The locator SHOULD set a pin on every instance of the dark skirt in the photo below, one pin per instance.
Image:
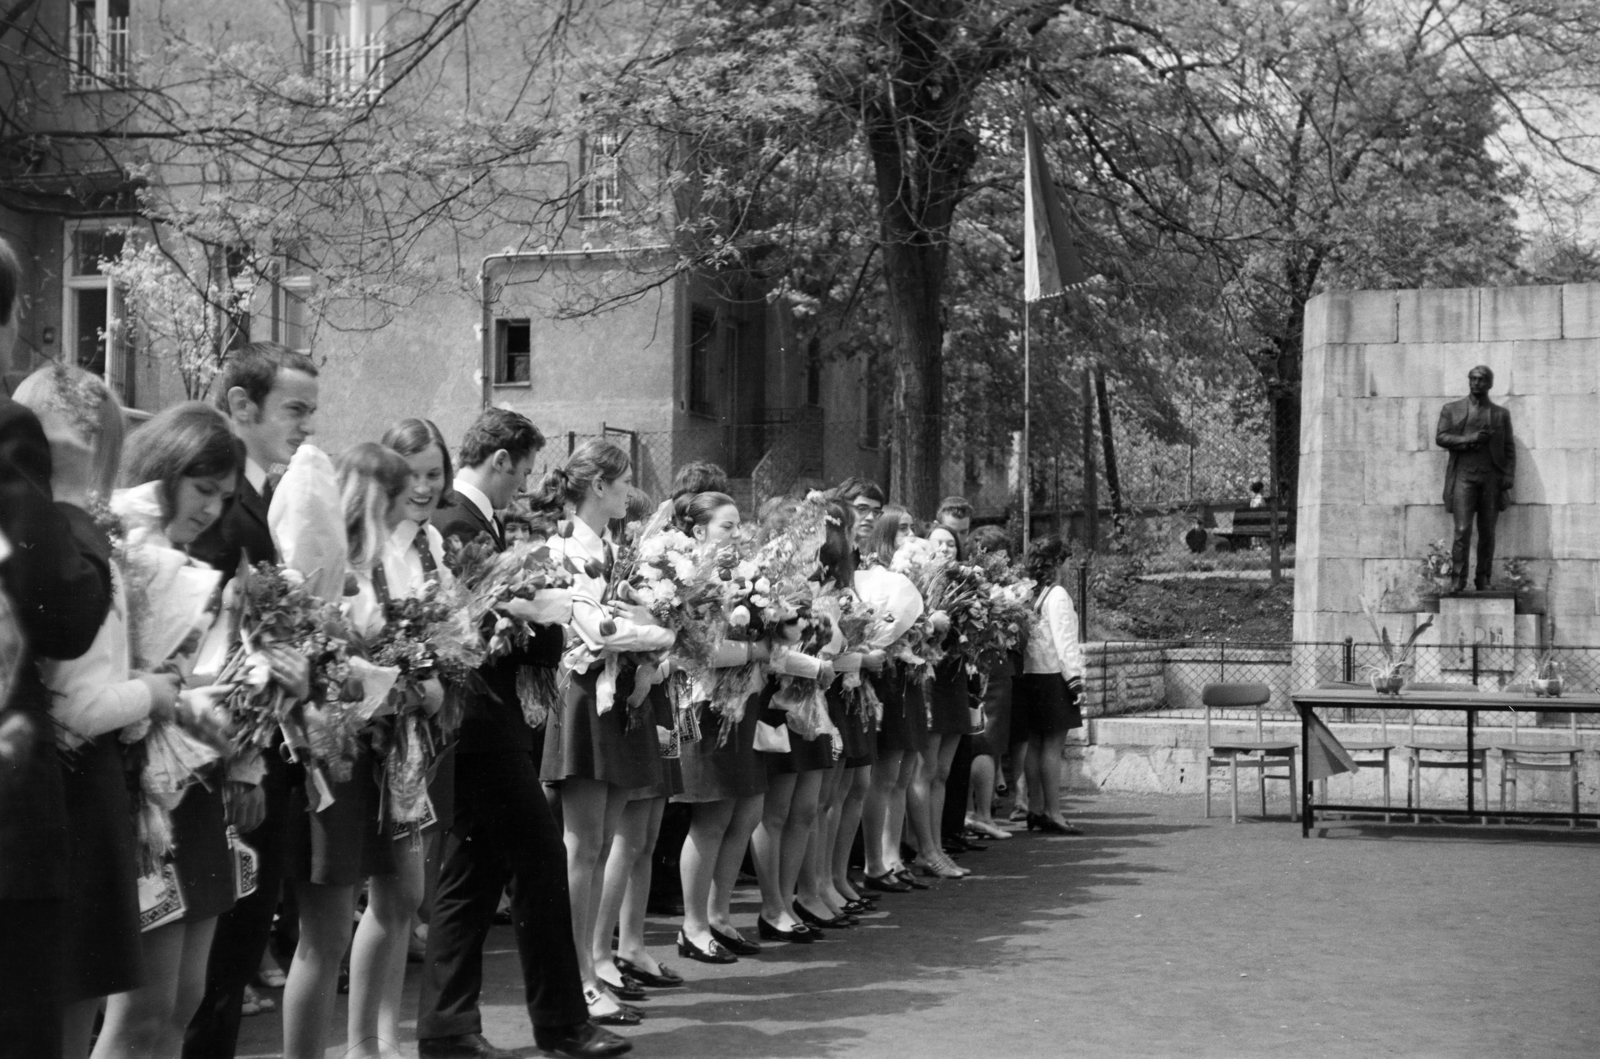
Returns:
(949, 702)
(860, 741)
(902, 727)
(100, 942)
(716, 769)
(1042, 705)
(995, 739)
(582, 743)
(345, 843)
(805, 755)
(201, 855)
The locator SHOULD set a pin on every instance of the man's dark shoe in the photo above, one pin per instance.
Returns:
(582, 1041)
(461, 1046)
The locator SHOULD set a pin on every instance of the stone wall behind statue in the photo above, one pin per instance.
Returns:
(1378, 367)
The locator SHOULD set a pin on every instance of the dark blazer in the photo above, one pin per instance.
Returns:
(242, 530)
(1452, 435)
(59, 581)
(494, 722)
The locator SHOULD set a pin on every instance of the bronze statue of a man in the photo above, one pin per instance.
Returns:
(1482, 470)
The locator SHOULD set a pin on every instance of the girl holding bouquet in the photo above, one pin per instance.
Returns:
(411, 560)
(724, 779)
(794, 778)
(598, 747)
(182, 465)
(900, 732)
(987, 747)
(332, 849)
(93, 698)
(949, 718)
(1045, 698)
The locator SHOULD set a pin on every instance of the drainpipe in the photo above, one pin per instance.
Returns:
(486, 323)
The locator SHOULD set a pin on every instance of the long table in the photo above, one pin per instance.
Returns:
(1468, 702)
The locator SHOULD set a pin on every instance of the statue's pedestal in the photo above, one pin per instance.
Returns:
(1487, 620)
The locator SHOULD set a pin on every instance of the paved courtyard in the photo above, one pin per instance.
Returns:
(1163, 934)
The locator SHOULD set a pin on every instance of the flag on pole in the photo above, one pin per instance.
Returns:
(1051, 264)
(1325, 755)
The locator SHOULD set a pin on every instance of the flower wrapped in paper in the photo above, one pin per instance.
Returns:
(491, 580)
(307, 523)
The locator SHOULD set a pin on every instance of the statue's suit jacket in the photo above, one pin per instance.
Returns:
(1453, 435)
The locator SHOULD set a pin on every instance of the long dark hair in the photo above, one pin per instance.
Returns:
(838, 552)
(881, 542)
(1046, 556)
(961, 549)
(411, 436)
(188, 440)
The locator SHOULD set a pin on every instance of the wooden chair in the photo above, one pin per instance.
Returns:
(1517, 756)
(1383, 748)
(1416, 749)
(1260, 754)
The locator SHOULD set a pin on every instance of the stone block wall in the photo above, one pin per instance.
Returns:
(1378, 367)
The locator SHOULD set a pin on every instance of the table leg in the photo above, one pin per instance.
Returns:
(1305, 771)
(1471, 717)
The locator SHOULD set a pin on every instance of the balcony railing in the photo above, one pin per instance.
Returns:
(351, 68)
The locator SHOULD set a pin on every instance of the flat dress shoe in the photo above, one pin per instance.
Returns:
(584, 1040)
(461, 1046)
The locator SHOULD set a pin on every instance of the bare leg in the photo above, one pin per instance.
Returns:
(816, 877)
(746, 816)
(853, 792)
(378, 954)
(798, 834)
(587, 821)
(924, 833)
(697, 866)
(636, 901)
(1049, 769)
(980, 814)
(310, 995)
(942, 753)
(770, 849)
(875, 815)
(1024, 760)
(148, 1022)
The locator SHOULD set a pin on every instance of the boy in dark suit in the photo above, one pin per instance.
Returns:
(56, 572)
(269, 394)
(503, 827)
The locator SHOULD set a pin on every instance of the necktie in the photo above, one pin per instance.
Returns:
(499, 531)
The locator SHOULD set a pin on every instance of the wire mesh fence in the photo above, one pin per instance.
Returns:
(1166, 678)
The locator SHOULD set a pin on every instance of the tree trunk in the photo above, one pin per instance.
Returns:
(916, 434)
(1108, 446)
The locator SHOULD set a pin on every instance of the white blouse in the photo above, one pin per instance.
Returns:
(894, 597)
(1053, 637)
(404, 572)
(95, 693)
(581, 547)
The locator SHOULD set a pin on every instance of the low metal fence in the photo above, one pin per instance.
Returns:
(1166, 678)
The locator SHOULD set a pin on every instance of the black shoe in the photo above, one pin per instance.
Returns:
(811, 919)
(1050, 826)
(769, 932)
(628, 989)
(712, 953)
(857, 908)
(583, 1041)
(665, 980)
(463, 1046)
(736, 944)
(905, 876)
(887, 883)
(623, 1016)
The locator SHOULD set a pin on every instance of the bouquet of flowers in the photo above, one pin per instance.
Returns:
(278, 611)
(1010, 609)
(921, 648)
(962, 591)
(858, 624)
(430, 637)
(742, 595)
(801, 689)
(490, 579)
(681, 584)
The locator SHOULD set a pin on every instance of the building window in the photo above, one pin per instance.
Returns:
(600, 163)
(702, 345)
(347, 40)
(292, 320)
(94, 335)
(99, 36)
(871, 409)
(513, 352)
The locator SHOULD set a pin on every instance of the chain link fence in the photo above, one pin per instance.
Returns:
(1166, 678)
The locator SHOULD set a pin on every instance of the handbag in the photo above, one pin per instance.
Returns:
(160, 898)
(245, 865)
(772, 738)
